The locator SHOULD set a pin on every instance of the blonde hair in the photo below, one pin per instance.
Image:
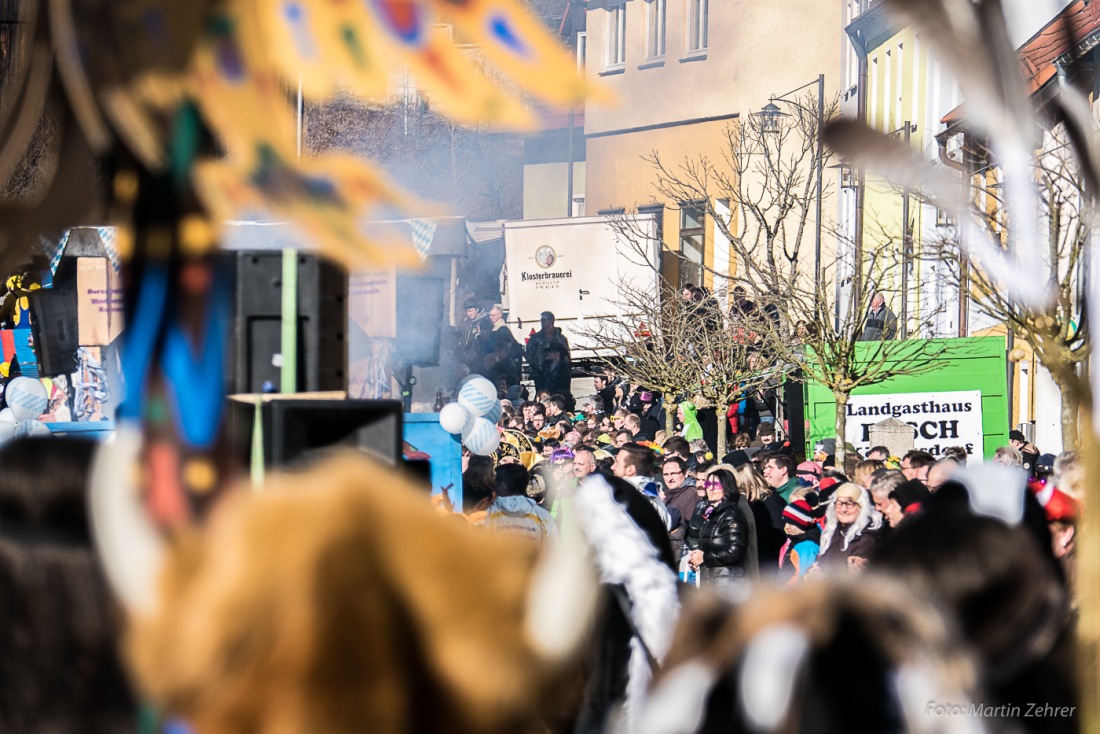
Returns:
(866, 468)
(751, 484)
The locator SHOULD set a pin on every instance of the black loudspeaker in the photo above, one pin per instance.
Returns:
(322, 323)
(795, 407)
(294, 429)
(54, 322)
(419, 320)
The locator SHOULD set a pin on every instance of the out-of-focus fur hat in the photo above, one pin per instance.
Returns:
(339, 601)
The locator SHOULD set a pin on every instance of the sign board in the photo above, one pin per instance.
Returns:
(938, 419)
(971, 364)
(99, 302)
(372, 302)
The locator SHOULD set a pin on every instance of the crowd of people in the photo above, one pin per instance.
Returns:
(756, 518)
(756, 512)
(763, 517)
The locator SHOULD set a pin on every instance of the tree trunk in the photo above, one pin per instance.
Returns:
(1069, 386)
(723, 427)
(1070, 414)
(670, 419)
(841, 424)
(1088, 574)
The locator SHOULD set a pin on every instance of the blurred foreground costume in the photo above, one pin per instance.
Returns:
(59, 665)
(168, 119)
(307, 609)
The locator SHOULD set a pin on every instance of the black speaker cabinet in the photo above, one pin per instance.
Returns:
(54, 323)
(322, 323)
(294, 429)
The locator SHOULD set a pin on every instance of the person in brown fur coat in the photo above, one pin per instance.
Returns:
(338, 601)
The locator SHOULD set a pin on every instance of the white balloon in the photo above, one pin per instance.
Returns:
(454, 418)
(483, 438)
(493, 414)
(31, 428)
(479, 396)
(7, 430)
(27, 398)
(6, 416)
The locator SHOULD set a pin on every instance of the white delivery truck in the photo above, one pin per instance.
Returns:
(577, 268)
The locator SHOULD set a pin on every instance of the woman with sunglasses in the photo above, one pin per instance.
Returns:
(726, 551)
(852, 527)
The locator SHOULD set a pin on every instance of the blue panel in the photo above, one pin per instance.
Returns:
(423, 433)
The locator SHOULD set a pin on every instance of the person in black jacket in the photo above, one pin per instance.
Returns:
(723, 552)
(767, 511)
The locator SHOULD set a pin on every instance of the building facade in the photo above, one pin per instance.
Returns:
(683, 73)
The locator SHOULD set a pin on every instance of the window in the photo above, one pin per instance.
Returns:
(692, 242)
(887, 95)
(582, 51)
(655, 29)
(697, 25)
(616, 35)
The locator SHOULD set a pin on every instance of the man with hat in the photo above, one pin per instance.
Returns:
(652, 415)
(765, 436)
(1018, 441)
(470, 331)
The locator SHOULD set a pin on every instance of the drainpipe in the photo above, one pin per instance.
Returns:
(964, 265)
(860, 48)
(861, 185)
(569, 170)
(906, 246)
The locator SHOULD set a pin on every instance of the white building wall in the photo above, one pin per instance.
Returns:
(1048, 412)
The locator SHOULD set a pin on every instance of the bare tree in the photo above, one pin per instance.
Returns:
(856, 350)
(677, 347)
(767, 174)
(1057, 331)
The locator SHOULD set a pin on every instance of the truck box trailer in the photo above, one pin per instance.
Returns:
(578, 269)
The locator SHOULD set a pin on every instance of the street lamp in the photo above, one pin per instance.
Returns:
(770, 118)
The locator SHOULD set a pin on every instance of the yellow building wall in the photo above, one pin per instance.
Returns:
(545, 189)
(898, 93)
(618, 176)
(675, 99)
